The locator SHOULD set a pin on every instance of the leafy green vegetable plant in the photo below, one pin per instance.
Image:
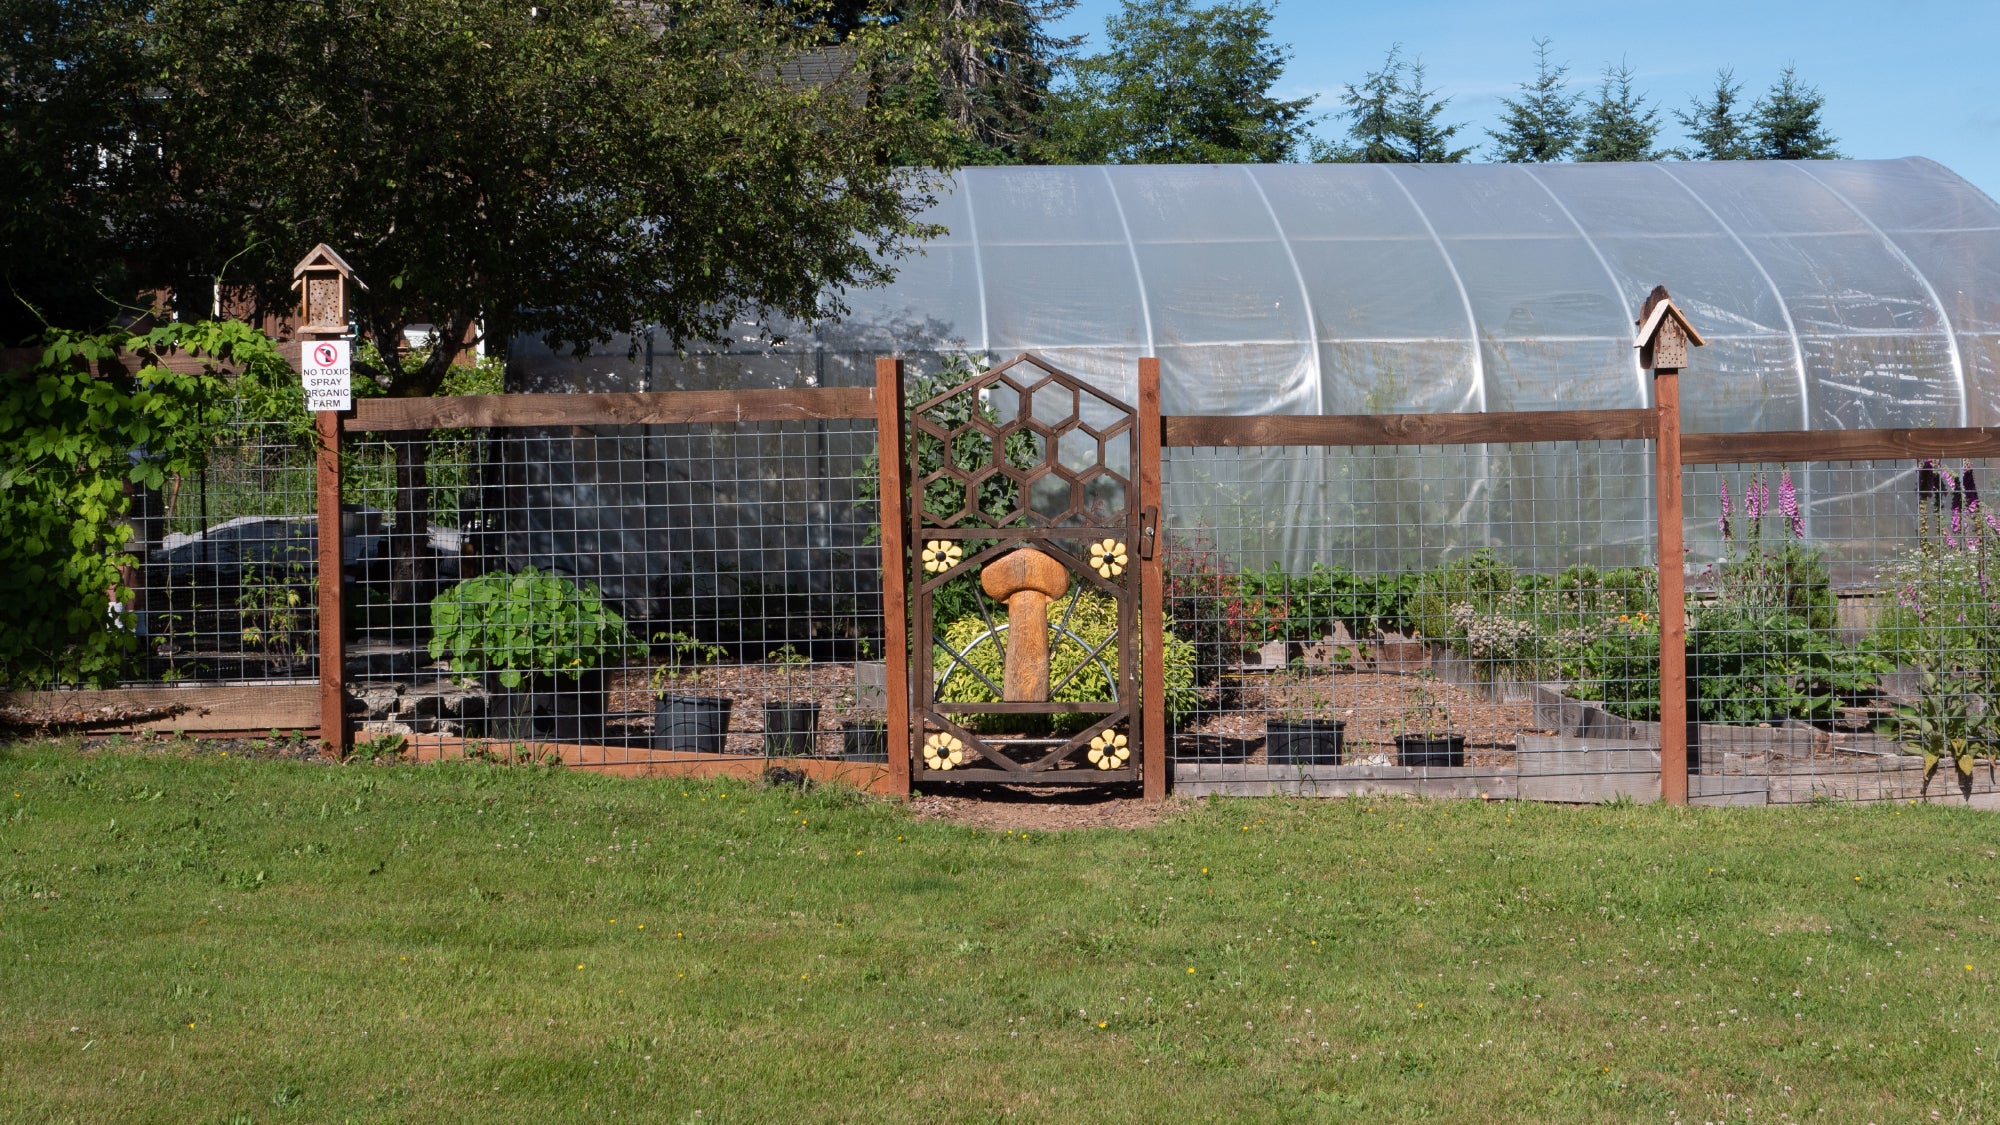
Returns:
(686, 656)
(1424, 713)
(525, 624)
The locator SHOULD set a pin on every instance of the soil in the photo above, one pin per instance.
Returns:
(1231, 717)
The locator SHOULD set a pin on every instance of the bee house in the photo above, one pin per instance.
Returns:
(1664, 333)
(322, 278)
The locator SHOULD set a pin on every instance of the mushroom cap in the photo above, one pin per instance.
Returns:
(1025, 569)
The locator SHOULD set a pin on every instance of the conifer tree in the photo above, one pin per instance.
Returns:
(1617, 123)
(1372, 133)
(1392, 118)
(1179, 84)
(1785, 123)
(1714, 123)
(1420, 122)
(1541, 124)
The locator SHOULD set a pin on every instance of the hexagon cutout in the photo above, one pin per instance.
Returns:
(1054, 404)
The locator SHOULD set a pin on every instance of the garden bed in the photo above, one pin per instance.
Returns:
(1231, 721)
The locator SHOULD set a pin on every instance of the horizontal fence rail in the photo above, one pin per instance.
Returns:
(389, 415)
(1226, 431)
(1837, 445)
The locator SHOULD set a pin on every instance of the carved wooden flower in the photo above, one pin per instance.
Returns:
(1108, 558)
(1109, 750)
(943, 751)
(941, 555)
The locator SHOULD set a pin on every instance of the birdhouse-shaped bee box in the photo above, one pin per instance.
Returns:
(1664, 333)
(322, 279)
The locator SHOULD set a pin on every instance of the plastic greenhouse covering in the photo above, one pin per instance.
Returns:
(1832, 294)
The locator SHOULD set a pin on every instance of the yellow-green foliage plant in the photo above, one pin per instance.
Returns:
(1078, 624)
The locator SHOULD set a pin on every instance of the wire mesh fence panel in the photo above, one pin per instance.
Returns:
(1843, 630)
(618, 593)
(1435, 620)
(226, 586)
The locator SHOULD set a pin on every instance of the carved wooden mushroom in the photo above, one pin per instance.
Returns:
(1027, 580)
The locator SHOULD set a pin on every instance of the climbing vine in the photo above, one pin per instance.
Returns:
(77, 436)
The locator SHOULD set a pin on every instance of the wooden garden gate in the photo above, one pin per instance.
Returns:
(1029, 527)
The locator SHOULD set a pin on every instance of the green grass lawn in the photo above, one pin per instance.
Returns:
(189, 937)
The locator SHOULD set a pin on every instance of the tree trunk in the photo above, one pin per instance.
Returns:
(412, 570)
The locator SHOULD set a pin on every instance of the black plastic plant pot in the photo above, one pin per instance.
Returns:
(864, 742)
(788, 729)
(696, 724)
(1304, 742)
(1430, 749)
(546, 707)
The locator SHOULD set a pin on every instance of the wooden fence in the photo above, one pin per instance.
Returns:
(238, 709)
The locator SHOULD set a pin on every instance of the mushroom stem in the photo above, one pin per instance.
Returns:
(1027, 581)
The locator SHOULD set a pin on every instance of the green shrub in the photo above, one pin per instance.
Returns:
(1307, 605)
(1793, 580)
(518, 625)
(1093, 620)
(1616, 662)
(1745, 667)
(1477, 580)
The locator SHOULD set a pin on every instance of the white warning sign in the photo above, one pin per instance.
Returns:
(327, 369)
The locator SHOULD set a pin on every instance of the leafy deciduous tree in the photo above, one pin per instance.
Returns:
(565, 169)
(997, 60)
(69, 88)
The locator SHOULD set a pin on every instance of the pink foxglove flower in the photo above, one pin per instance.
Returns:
(1788, 504)
(1722, 521)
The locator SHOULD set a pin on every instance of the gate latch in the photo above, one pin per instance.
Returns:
(1149, 529)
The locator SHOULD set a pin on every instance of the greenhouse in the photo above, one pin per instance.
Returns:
(1833, 294)
(1840, 295)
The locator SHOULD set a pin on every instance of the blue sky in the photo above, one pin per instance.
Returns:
(1901, 77)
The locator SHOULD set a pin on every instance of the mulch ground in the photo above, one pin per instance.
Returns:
(1019, 809)
(1372, 704)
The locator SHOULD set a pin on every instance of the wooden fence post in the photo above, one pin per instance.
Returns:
(1664, 337)
(893, 512)
(1152, 591)
(332, 618)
